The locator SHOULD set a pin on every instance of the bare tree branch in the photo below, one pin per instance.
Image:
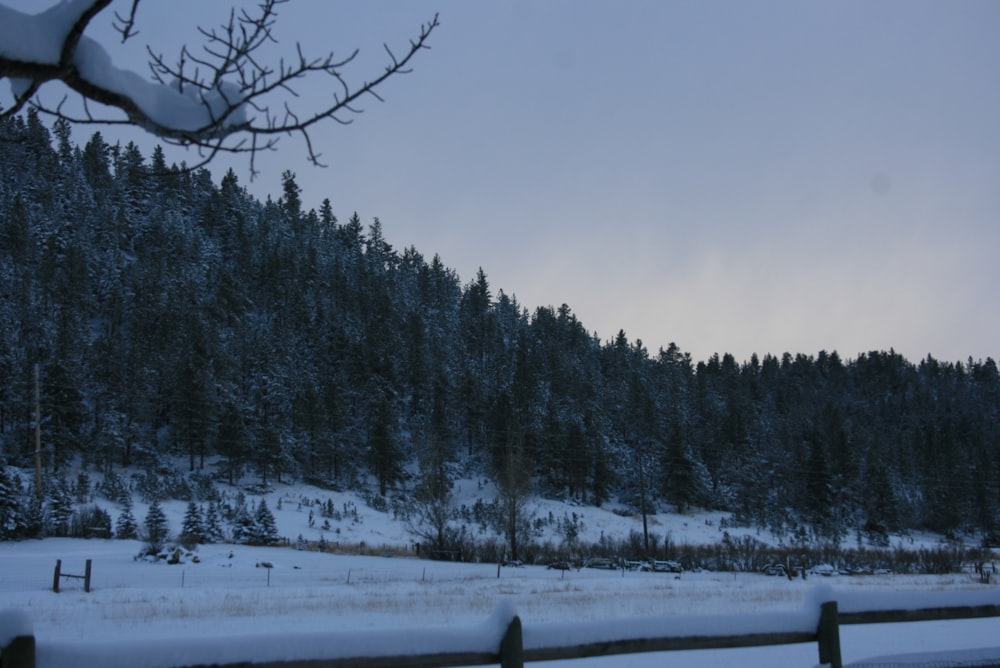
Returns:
(222, 99)
(126, 26)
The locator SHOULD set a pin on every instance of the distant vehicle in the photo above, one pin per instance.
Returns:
(602, 563)
(560, 566)
(665, 566)
(655, 566)
(774, 569)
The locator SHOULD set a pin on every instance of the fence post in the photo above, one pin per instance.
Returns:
(55, 578)
(512, 647)
(828, 636)
(19, 653)
(86, 578)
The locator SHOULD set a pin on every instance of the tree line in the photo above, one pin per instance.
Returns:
(171, 316)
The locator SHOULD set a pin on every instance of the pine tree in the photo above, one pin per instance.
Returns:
(293, 195)
(11, 517)
(685, 480)
(265, 526)
(81, 491)
(125, 526)
(213, 525)
(244, 527)
(192, 528)
(385, 452)
(34, 515)
(231, 441)
(60, 509)
(157, 529)
(818, 501)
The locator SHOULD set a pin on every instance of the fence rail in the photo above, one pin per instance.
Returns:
(504, 642)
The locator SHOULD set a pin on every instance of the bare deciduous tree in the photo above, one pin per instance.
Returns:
(221, 98)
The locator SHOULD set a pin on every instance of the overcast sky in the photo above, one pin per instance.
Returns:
(731, 176)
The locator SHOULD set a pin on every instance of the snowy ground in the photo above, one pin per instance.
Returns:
(227, 594)
(140, 612)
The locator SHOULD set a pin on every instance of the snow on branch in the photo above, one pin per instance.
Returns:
(221, 98)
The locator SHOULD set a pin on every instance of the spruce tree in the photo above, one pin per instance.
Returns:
(213, 526)
(385, 455)
(125, 526)
(11, 517)
(266, 528)
(34, 515)
(60, 509)
(244, 527)
(157, 529)
(192, 528)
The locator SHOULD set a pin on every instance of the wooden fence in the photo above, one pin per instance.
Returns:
(58, 574)
(818, 622)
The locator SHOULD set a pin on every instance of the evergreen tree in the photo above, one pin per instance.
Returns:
(15, 230)
(432, 497)
(244, 525)
(81, 491)
(125, 526)
(232, 442)
(881, 514)
(292, 195)
(62, 405)
(12, 521)
(213, 525)
(685, 478)
(818, 501)
(34, 515)
(157, 528)
(265, 526)
(192, 527)
(60, 508)
(385, 453)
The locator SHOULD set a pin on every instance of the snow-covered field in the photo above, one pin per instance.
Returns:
(229, 594)
(140, 613)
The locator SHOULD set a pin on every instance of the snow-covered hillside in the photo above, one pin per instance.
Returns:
(298, 510)
(367, 523)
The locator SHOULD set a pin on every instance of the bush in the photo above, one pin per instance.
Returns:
(90, 522)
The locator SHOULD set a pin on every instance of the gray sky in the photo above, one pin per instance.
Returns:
(741, 177)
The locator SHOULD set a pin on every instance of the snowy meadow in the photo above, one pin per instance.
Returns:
(234, 595)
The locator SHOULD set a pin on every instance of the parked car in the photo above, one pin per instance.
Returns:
(775, 569)
(660, 566)
(666, 566)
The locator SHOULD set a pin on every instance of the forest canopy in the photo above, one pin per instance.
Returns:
(173, 316)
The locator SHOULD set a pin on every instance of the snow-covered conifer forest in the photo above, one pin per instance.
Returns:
(186, 334)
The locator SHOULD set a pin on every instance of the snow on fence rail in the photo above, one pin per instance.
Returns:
(502, 640)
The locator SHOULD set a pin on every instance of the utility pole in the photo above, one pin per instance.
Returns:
(642, 500)
(38, 436)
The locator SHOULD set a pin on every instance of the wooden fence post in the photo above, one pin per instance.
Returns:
(512, 646)
(55, 578)
(828, 635)
(20, 653)
(86, 578)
